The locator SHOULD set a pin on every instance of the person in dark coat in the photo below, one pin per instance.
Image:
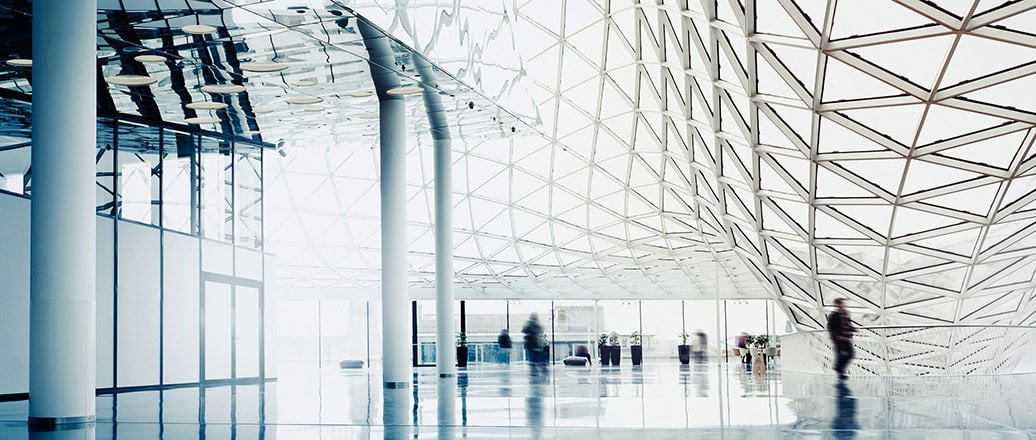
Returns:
(504, 344)
(533, 337)
(840, 328)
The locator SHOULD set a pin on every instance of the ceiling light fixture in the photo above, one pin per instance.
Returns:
(131, 80)
(361, 94)
(201, 120)
(207, 105)
(405, 90)
(261, 110)
(263, 67)
(20, 62)
(303, 83)
(370, 116)
(149, 58)
(253, 132)
(309, 124)
(314, 109)
(223, 89)
(304, 100)
(198, 29)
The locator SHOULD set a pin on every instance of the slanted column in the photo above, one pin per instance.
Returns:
(394, 308)
(62, 327)
(445, 354)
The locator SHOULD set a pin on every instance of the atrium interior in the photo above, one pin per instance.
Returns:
(262, 219)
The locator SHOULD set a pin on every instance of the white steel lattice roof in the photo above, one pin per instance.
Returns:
(878, 150)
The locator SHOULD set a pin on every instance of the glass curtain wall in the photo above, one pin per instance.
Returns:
(568, 324)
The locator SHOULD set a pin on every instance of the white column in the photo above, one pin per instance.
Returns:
(62, 324)
(445, 353)
(395, 309)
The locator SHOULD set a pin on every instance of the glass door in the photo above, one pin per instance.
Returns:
(232, 331)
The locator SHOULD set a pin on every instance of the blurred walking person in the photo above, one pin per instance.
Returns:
(840, 328)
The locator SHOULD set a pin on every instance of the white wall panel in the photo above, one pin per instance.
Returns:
(105, 303)
(181, 320)
(14, 294)
(249, 264)
(138, 300)
(218, 257)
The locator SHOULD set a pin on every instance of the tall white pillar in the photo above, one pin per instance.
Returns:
(394, 308)
(62, 313)
(445, 354)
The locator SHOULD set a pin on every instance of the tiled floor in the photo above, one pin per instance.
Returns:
(658, 401)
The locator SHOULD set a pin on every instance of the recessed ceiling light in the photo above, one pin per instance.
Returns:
(370, 116)
(263, 67)
(261, 111)
(149, 58)
(303, 83)
(131, 80)
(207, 105)
(405, 90)
(309, 124)
(20, 62)
(304, 100)
(223, 88)
(198, 29)
(201, 120)
(314, 109)
(370, 134)
(361, 94)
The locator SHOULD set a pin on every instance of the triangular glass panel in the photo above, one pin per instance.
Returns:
(874, 217)
(961, 242)
(918, 60)
(924, 175)
(997, 152)
(801, 62)
(855, 18)
(771, 18)
(943, 123)
(826, 226)
(1006, 94)
(898, 123)
(911, 221)
(977, 201)
(844, 82)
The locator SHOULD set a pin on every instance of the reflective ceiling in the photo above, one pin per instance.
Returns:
(270, 71)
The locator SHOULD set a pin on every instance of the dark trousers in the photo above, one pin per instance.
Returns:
(844, 354)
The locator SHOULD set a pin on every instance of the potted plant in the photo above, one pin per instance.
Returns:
(636, 349)
(462, 349)
(615, 351)
(602, 348)
(684, 349)
(762, 341)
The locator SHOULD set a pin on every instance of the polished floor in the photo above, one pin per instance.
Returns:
(657, 401)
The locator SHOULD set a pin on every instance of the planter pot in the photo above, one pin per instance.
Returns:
(603, 351)
(685, 353)
(615, 354)
(637, 353)
(462, 356)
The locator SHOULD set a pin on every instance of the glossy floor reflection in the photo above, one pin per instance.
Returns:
(658, 401)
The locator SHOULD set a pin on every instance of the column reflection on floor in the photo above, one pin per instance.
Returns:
(75, 431)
